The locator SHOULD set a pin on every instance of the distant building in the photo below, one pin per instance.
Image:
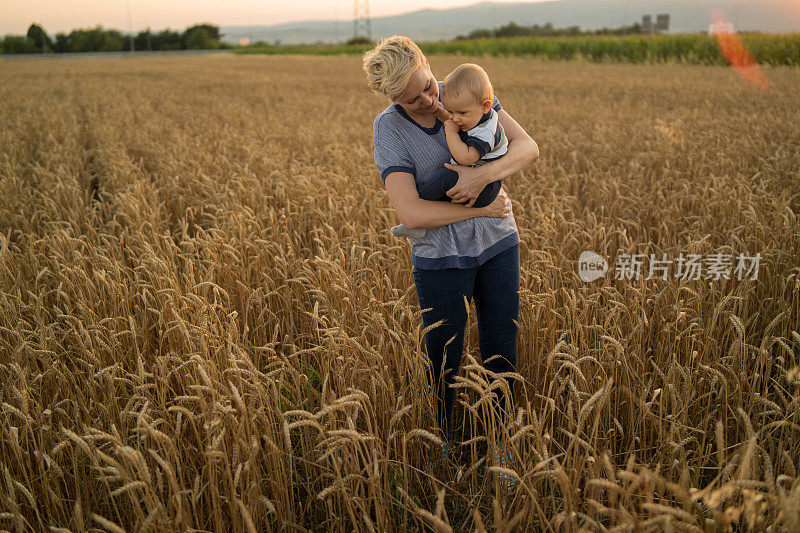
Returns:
(660, 25)
(647, 24)
(662, 22)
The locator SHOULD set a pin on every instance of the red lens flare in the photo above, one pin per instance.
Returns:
(735, 52)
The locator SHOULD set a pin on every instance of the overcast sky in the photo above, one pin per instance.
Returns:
(64, 15)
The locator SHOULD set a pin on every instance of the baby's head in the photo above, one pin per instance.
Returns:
(467, 93)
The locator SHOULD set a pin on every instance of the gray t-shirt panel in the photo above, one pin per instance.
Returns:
(402, 145)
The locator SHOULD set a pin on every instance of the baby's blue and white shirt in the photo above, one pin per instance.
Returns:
(487, 137)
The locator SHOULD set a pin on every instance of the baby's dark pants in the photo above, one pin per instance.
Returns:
(446, 179)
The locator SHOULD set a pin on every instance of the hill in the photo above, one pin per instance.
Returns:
(440, 24)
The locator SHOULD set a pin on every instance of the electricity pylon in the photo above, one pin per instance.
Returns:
(361, 19)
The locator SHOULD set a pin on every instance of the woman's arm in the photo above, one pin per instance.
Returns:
(415, 212)
(522, 150)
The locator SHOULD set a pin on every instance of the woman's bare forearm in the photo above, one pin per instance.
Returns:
(519, 155)
(431, 214)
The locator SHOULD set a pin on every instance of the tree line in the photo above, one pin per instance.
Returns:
(546, 30)
(99, 39)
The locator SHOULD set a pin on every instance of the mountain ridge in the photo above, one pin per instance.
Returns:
(431, 24)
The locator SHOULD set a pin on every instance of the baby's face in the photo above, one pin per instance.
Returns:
(465, 111)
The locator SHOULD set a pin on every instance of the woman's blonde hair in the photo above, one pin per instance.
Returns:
(391, 64)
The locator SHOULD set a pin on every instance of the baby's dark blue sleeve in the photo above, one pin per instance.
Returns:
(480, 145)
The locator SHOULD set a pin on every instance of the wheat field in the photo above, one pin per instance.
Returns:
(206, 325)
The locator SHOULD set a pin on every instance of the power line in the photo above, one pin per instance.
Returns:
(336, 17)
(130, 26)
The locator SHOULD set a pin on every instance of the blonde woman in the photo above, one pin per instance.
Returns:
(465, 251)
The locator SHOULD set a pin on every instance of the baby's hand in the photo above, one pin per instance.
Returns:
(450, 126)
(441, 113)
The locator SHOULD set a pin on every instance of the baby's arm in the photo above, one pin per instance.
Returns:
(463, 154)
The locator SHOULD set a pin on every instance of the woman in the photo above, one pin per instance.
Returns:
(465, 251)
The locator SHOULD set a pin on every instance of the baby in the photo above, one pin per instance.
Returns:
(474, 136)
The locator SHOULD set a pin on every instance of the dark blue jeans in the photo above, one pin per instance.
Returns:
(446, 179)
(495, 286)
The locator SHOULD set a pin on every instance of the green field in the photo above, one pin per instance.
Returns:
(697, 49)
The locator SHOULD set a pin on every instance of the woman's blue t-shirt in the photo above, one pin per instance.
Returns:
(402, 145)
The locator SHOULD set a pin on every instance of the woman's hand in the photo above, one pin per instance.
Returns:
(500, 207)
(471, 182)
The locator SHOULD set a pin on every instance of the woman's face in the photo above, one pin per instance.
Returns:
(422, 93)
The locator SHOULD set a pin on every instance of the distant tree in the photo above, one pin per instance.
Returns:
(512, 30)
(167, 40)
(200, 36)
(113, 41)
(18, 44)
(62, 43)
(633, 28)
(143, 40)
(96, 40)
(622, 30)
(479, 34)
(125, 39)
(212, 30)
(360, 40)
(81, 41)
(39, 38)
(199, 39)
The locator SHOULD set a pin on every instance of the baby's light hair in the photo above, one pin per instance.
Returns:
(390, 65)
(468, 79)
